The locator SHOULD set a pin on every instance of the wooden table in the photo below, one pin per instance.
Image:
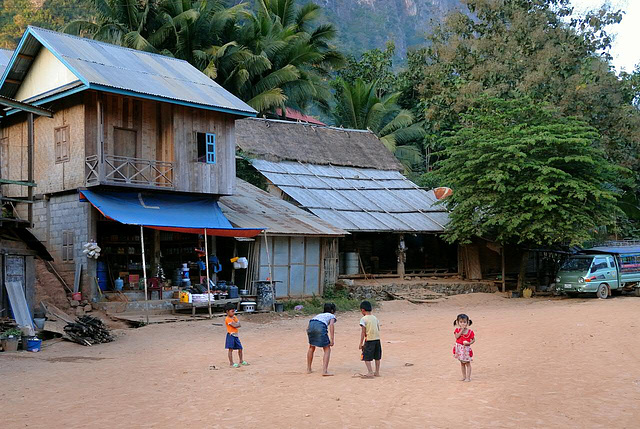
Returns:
(177, 305)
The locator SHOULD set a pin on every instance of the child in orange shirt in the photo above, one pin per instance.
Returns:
(232, 341)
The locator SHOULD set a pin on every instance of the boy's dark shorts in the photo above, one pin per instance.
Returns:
(232, 342)
(372, 350)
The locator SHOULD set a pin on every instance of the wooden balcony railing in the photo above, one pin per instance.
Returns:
(130, 171)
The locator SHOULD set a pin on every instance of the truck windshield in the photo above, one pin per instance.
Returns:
(576, 264)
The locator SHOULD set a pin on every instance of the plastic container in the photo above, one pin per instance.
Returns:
(185, 297)
(34, 344)
(279, 307)
(233, 291)
(76, 296)
(119, 283)
(39, 321)
(248, 306)
(10, 344)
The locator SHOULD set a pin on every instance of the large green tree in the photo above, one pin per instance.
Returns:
(537, 48)
(16, 15)
(522, 173)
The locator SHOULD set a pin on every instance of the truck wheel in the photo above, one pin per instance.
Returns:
(603, 291)
(636, 291)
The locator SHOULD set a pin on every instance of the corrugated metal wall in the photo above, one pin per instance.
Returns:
(296, 265)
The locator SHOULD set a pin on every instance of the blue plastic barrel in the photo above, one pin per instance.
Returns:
(34, 344)
(102, 275)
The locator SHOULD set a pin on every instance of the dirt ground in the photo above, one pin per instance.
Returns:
(539, 363)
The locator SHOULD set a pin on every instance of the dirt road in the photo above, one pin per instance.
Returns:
(538, 363)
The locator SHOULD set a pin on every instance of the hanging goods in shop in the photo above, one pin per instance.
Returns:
(215, 263)
(92, 250)
(240, 263)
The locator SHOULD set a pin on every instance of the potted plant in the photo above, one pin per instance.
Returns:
(10, 339)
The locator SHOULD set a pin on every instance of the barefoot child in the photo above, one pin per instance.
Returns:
(462, 349)
(370, 339)
(321, 334)
(233, 342)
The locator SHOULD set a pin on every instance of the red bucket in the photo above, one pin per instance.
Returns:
(76, 296)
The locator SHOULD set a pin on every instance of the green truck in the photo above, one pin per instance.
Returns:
(601, 270)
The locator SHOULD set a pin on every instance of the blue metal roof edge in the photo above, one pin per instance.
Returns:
(106, 88)
(31, 32)
(53, 97)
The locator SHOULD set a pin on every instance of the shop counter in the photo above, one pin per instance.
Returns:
(178, 305)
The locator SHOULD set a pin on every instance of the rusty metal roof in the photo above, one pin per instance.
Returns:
(358, 199)
(251, 206)
(110, 68)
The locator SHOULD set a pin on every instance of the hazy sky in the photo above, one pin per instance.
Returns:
(626, 44)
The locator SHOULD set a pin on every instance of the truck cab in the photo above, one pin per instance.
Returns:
(601, 270)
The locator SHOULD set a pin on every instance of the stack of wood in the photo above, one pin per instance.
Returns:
(88, 330)
(6, 324)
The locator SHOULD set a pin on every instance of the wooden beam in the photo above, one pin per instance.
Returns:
(15, 200)
(16, 182)
(25, 107)
(30, 147)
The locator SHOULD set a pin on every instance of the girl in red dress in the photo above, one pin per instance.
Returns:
(462, 349)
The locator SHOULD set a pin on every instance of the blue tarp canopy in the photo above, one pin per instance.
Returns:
(168, 212)
(616, 250)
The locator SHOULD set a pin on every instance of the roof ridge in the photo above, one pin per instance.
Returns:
(86, 39)
(309, 124)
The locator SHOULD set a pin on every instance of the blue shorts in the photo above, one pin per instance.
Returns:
(318, 334)
(232, 342)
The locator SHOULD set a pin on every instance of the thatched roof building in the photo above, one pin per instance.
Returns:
(347, 178)
(275, 140)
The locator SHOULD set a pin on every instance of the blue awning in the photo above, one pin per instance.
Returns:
(168, 212)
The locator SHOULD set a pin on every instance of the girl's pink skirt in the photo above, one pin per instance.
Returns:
(462, 353)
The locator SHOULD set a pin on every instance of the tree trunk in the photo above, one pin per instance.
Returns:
(523, 269)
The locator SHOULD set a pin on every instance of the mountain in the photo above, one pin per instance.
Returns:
(368, 24)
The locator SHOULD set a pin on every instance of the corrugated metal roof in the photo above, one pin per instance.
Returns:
(251, 206)
(5, 56)
(112, 68)
(358, 199)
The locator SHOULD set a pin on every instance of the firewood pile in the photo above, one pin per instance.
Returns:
(88, 330)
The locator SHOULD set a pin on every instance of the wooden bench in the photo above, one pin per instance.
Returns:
(177, 305)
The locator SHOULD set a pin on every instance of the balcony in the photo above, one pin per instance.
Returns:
(122, 170)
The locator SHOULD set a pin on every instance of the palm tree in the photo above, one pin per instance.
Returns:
(287, 61)
(120, 22)
(358, 106)
(272, 58)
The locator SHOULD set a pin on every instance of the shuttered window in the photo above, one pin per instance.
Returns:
(67, 246)
(206, 147)
(62, 144)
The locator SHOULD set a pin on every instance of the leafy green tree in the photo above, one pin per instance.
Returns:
(523, 174)
(16, 15)
(358, 106)
(374, 65)
(510, 48)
